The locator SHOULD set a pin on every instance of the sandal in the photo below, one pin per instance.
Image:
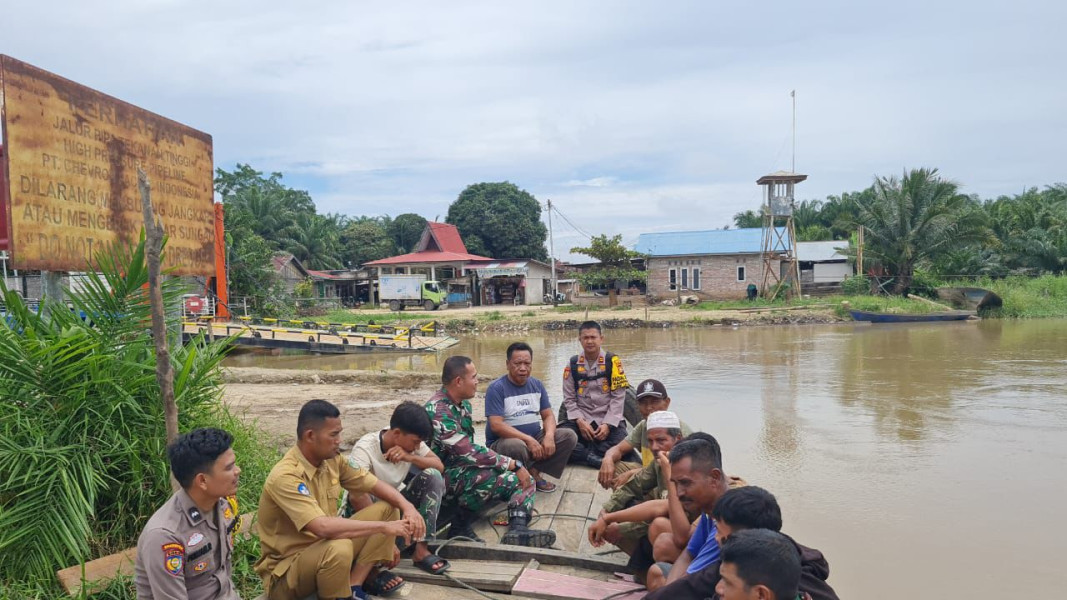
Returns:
(427, 563)
(380, 585)
(545, 486)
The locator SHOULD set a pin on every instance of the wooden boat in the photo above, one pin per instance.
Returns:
(879, 317)
(970, 298)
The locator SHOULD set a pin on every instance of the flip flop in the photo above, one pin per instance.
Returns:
(379, 586)
(427, 563)
(545, 486)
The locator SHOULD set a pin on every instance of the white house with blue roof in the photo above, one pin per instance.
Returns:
(716, 264)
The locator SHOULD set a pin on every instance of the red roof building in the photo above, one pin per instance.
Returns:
(440, 243)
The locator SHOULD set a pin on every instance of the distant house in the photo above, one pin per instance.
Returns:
(823, 263)
(289, 269)
(716, 264)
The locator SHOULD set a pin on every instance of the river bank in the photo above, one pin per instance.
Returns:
(271, 398)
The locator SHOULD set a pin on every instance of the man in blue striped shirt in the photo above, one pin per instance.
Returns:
(521, 423)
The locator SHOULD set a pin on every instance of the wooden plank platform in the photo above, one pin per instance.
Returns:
(493, 576)
(544, 556)
(534, 583)
(97, 572)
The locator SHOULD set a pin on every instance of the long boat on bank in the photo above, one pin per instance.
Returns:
(881, 317)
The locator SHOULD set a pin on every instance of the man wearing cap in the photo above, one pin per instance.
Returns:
(594, 395)
(626, 516)
(615, 471)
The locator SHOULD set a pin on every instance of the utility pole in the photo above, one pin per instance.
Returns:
(552, 251)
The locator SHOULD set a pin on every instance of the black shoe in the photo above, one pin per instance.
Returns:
(593, 460)
(462, 526)
(519, 534)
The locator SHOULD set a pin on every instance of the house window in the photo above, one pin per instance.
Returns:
(696, 278)
(685, 279)
(740, 273)
(672, 279)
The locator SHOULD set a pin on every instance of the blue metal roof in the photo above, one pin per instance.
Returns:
(713, 241)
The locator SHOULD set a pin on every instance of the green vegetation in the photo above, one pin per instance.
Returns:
(495, 315)
(615, 263)
(82, 435)
(922, 223)
(348, 316)
(529, 313)
(1027, 297)
(499, 220)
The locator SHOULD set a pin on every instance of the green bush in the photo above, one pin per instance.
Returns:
(82, 434)
(857, 285)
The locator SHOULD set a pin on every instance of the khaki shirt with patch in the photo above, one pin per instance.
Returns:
(294, 494)
(183, 554)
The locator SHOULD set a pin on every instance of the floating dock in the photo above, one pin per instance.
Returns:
(325, 338)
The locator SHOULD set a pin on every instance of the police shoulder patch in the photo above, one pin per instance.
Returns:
(303, 489)
(566, 373)
(173, 558)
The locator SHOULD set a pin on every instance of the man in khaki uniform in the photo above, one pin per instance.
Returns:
(304, 548)
(594, 396)
(184, 551)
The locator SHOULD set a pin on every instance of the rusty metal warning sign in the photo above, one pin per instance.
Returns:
(72, 155)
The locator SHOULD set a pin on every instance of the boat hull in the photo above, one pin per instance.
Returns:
(876, 317)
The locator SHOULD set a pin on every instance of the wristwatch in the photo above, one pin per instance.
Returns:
(518, 464)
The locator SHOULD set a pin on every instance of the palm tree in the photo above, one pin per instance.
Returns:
(315, 240)
(916, 219)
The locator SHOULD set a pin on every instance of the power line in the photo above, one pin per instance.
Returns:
(571, 223)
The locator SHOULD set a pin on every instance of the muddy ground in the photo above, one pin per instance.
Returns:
(271, 398)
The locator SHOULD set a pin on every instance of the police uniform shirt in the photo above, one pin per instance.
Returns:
(184, 554)
(294, 494)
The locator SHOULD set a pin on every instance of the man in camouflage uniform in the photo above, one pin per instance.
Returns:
(474, 474)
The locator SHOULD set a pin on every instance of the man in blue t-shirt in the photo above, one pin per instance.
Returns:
(696, 482)
(521, 423)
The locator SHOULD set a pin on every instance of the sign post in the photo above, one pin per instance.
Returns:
(71, 159)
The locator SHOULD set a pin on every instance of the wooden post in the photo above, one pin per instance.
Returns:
(153, 250)
(859, 251)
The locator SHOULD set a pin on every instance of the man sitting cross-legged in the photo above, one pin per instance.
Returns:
(742, 509)
(304, 547)
(399, 456)
(474, 474)
(626, 516)
(521, 423)
(616, 468)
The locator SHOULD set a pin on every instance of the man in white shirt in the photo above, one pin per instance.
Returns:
(398, 455)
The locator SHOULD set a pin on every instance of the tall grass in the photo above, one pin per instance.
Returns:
(1028, 297)
(82, 435)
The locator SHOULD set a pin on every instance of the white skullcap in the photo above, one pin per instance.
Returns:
(663, 419)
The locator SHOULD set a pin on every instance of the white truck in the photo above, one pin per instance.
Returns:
(400, 291)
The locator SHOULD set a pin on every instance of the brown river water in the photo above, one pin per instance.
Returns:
(925, 461)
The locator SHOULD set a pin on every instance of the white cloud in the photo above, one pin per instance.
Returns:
(630, 116)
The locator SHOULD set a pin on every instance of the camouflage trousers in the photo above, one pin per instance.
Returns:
(424, 490)
(475, 488)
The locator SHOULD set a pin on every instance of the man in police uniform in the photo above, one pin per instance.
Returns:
(184, 551)
(594, 395)
(304, 548)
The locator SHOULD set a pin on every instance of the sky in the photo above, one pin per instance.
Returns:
(630, 116)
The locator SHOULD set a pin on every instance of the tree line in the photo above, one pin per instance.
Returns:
(921, 222)
(263, 216)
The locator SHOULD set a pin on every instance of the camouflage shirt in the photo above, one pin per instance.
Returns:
(453, 430)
